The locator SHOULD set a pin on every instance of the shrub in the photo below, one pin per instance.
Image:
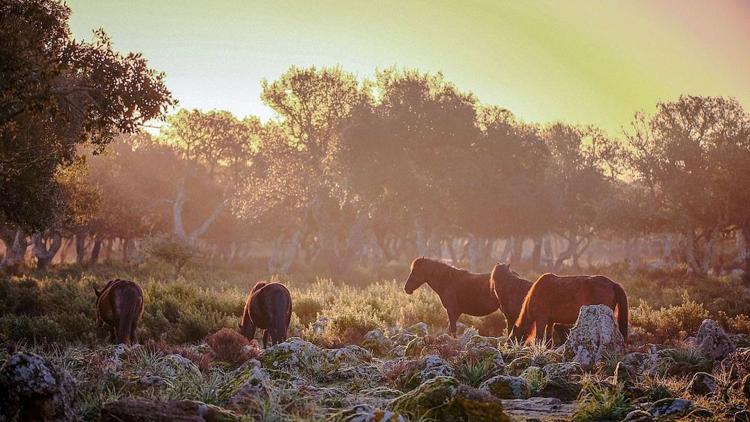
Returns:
(232, 347)
(306, 308)
(598, 403)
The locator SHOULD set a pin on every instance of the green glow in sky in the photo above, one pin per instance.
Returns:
(579, 61)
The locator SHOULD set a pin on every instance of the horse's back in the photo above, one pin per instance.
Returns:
(270, 302)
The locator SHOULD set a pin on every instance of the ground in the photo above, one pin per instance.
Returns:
(367, 350)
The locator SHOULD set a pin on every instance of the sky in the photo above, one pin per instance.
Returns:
(583, 62)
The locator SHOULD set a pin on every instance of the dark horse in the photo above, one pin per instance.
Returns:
(120, 305)
(557, 300)
(460, 291)
(269, 307)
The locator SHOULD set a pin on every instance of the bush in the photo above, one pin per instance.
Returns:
(232, 347)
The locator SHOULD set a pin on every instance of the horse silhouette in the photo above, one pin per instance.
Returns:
(119, 304)
(269, 307)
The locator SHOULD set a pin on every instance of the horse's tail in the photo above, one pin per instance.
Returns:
(622, 309)
(130, 316)
(522, 326)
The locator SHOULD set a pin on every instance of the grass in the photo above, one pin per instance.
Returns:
(195, 317)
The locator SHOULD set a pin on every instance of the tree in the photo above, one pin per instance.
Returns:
(691, 154)
(313, 104)
(57, 93)
(214, 148)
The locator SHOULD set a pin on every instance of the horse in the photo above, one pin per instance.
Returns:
(460, 291)
(119, 304)
(269, 307)
(510, 290)
(554, 299)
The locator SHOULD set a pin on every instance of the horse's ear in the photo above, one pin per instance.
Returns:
(96, 290)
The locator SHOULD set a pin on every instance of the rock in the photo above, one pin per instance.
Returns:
(176, 366)
(746, 387)
(446, 399)
(507, 387)
(292, 354)
(713, 341)
(320, 325)
(366, 413)
(565, 370)
(518, 365)
(640, 363)
(534, 377)
(254, 386)
(397, 352)
(594, 337)
(538, 408)
(414, 347)
(638, 416)
(432, 367)
(32, 389)
(419, 329)
(561, 381)
(136, 410)
(742, 416)
(671, 407)
(377, 342)
(740, 340)
(147, 382)
(350, 355)
(702, 384)
(477, 342)
(402, 338)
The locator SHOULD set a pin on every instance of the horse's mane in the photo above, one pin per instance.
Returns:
(442, 272)
(524, 314)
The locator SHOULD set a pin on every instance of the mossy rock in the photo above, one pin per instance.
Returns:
(518, 365)
(445, 399)
(534, 376)
(507, 387)
(414, 347)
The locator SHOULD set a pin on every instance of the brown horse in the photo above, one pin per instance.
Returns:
(269, 307)
(460, 291)
(119, 305)
(510, 290)
(557, 300)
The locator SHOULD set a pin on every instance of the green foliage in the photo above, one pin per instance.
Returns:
(670, 322)
(598, 403)
(173, 251)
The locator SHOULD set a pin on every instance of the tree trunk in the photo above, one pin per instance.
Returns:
(80, 247)
(536, 254)
(64, 250)
(96, 250)
(16, 244)
(516, 251)
(42, 253)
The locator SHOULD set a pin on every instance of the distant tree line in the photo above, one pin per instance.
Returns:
(350, 172)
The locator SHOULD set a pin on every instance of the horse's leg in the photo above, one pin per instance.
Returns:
(549, 333)
(541, 329)
(452, 319)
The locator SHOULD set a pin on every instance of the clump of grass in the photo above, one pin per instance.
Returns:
(475, 371)
(600, 403)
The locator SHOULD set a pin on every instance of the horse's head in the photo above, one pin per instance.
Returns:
(500, 271)
(247, 329)
(417, 276)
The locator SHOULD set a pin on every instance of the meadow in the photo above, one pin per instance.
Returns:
(196, 316)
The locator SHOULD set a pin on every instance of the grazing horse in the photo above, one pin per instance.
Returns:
(460, 291)
(269, 307)
(557, 300)
(119, 305)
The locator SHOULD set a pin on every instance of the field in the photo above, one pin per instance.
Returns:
(190, 350)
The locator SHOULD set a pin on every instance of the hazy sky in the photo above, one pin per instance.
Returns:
(579, 61)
